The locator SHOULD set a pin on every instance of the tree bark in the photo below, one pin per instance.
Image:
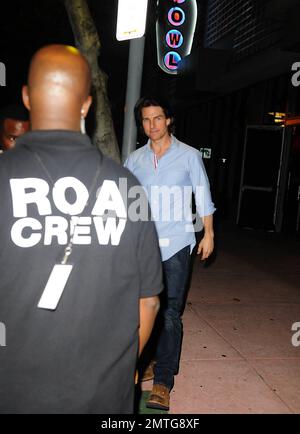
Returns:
(88, 42)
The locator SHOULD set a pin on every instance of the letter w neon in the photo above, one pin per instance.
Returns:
(174, 39)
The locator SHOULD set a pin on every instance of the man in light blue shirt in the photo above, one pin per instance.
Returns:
(170, 171)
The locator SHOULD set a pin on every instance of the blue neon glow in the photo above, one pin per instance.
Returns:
(174, 38)
(175, 13)
(171, 60)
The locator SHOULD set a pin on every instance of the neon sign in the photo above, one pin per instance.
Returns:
(176, 16)
(174, 39)
(175, 29)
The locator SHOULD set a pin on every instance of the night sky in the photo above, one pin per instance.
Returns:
(28, 25)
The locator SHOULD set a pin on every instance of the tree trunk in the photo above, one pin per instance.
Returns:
(87, 41)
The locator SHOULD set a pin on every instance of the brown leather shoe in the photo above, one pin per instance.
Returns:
(159, 397)
(148, 374)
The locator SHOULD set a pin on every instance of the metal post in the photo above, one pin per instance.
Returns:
(134, 81)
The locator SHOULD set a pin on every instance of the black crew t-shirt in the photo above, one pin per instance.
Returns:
(80, 357)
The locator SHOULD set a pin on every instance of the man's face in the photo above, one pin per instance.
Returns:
(155, 123)
(12, 128)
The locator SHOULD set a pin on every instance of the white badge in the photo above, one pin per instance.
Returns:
(55, 286)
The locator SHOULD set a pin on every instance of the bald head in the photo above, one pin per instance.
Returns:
(58, 88)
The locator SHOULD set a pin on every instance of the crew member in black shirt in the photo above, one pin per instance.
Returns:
(79, 278)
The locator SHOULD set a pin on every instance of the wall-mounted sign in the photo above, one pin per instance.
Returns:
(175, 29)
(131, 19)
(205, 153)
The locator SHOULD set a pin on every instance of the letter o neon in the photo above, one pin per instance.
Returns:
(176, 16)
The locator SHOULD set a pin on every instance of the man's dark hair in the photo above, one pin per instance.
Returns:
(13, 111)
(156, 102)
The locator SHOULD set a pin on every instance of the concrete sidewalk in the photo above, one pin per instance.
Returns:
(237, 354)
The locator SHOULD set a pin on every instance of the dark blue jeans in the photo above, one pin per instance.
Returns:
(176, 273)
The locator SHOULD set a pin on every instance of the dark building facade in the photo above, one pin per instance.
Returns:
(240, 77)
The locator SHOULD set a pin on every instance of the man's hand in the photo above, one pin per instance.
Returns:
(149, 308)
(206, 247)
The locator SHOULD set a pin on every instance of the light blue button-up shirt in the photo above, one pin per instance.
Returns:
(169, 183)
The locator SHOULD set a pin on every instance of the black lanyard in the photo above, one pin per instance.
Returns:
(68, 249)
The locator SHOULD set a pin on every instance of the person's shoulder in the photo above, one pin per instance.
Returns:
(8, 160)
(187, 149)
(135, 155)
(11, 156)
(2, 161)
(112, 169)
